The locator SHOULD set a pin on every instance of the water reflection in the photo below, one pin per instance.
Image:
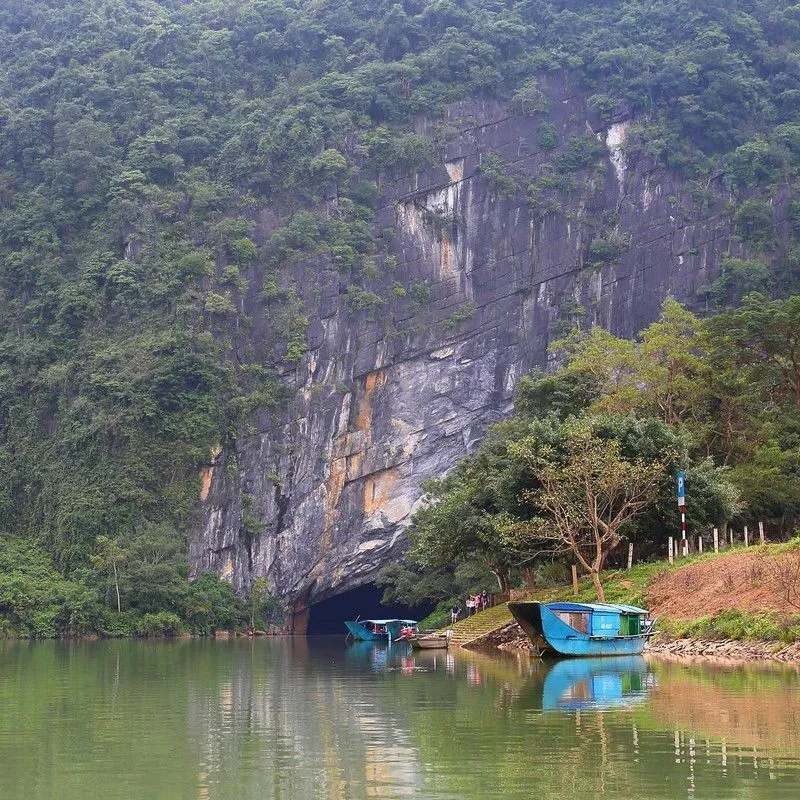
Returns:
(294, 719)
(756, 706)
(596, 683)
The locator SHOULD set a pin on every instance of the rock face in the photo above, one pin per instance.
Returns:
(385, 400)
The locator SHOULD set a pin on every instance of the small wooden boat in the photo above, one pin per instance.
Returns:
(376, 630)
(584, 629)
(430, 641)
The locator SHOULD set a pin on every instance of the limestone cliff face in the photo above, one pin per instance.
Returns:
(382, 402)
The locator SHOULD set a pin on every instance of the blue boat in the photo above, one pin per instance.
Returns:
(377, 630)
(584, 629)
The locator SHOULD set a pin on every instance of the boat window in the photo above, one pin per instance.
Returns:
(575, 619)
(629, 625)
(605, 624)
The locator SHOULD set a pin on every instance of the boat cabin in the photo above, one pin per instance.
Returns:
(602, 619)
(377, 629)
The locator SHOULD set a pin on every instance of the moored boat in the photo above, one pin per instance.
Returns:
(399, 628)
(376, 630)
(431, 641)
(584, 629)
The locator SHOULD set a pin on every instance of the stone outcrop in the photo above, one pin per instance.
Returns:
(384, 400)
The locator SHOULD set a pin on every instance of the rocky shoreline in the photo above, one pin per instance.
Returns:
(511, 638)
(726, 649)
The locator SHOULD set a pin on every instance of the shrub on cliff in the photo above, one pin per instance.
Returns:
(162, 624)
(755, 225)
(494, 168)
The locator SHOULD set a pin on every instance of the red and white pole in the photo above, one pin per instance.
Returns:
(684, 542)
(681, 486)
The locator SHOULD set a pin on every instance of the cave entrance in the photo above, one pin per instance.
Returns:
(328, 616)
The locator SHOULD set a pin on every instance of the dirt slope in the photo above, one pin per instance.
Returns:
(745, 581)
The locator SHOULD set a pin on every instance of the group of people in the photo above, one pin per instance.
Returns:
(474, 604)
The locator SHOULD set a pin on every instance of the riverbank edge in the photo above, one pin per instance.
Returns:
(511, 638)
(102, 637)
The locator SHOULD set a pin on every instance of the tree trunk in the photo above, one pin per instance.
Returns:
(530, 579)
(116, 586)
(502, 581)
(598, 587)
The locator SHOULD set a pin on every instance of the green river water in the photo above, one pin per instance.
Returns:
(285, 719)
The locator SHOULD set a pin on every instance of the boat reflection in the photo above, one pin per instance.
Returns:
(591, 684)
(369, 654)
(596, 683)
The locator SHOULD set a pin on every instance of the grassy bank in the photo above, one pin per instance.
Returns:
(747, 582)
(739, 594)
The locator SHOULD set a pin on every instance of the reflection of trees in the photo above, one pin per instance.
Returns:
(277, 720)
(286, 723)
(752, 706)
(87, 719)
(499, 743)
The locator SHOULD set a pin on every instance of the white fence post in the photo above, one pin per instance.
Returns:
(671, 552)
(746, 542)
(761, 532)
(716, 540)
(630, 555)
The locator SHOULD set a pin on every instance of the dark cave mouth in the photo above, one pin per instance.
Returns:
(327, 616)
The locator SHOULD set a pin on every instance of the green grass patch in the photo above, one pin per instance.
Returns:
(438, 618)
(763, 626)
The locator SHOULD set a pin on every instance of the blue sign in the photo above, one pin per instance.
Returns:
(681, 480)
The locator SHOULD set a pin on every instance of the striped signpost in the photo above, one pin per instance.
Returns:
(681, 485)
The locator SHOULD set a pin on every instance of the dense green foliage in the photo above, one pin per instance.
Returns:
(719, 398)
(156, 599)
(140, 143)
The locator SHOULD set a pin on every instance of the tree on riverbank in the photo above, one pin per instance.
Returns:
(588, 497)
(110, 555)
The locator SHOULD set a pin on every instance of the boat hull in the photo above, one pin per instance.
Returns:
(428, 642)
(362, 634)
(551, 636)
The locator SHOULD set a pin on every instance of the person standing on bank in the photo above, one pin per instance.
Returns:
(454, 612)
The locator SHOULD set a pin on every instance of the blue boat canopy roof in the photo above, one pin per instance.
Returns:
(387, 621)
(618, 608)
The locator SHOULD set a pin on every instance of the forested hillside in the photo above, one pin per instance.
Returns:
(165, 165)
(717, 398)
